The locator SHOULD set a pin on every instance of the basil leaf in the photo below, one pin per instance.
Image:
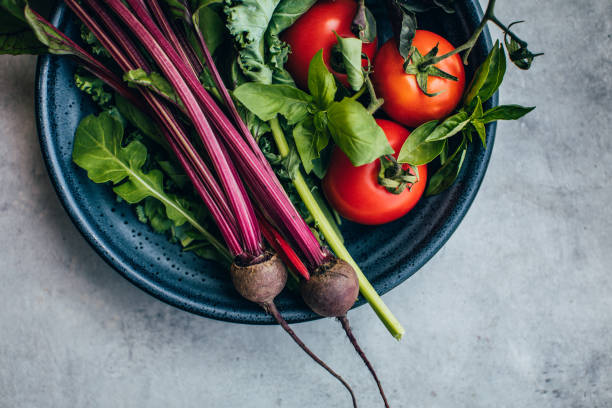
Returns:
(489, 75)
(286, 13)
(481, 130)
(417, 150)
(350, 48)
(506, 112)
(266, 101)
(407, 33)
(356, 133)
(450, 127)
(321, 82)
(304, 137)
(208, 22)
(447, 174)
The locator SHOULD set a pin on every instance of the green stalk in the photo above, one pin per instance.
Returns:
(335, 242)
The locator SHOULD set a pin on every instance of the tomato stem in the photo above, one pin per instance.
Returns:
(334, 241)
(375, 102)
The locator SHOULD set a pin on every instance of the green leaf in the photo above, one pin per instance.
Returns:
(407, 33)
(447, 174)
(481, 130)
(153, 81)
(489, 75)
(212, 27)
(94, 87)
(417, 150)
(450, 127)
(255, 26)
(266, 101)
(506, 112)
(356, 133)
(291, 163)
(140, 120)
(17, 37)
(309, 142)
(98, 149)
(350, 49)
(49, 35)
(321, 82)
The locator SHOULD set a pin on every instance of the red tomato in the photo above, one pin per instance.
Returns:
(355, 193)
(315, 31)
(404, 100)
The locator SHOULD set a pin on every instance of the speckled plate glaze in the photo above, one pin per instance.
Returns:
(388, 254)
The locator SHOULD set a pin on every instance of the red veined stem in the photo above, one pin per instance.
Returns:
(172, 129)
(238, 203)
(251, 168)
(282, 248)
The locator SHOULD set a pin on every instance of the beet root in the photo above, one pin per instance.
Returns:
(349, 333)
(332, 289)
(261, 282)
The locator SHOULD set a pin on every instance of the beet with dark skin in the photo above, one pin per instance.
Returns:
(261, 283)
(331, 291)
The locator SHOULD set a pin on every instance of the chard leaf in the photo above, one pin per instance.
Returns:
(153, 81)
(356, 132)
(506, 112)
(17, 37)
(350, 49)
(417, 150)
(321, 82)
(266, 101)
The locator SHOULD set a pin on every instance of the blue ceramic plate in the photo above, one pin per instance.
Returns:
(388, 254)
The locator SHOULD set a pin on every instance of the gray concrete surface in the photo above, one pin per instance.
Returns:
(515, 311)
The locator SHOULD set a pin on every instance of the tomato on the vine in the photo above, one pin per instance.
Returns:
(355, 192)
(405, 102)
(314, 31)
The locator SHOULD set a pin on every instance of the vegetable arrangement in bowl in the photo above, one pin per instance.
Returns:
(234, 112)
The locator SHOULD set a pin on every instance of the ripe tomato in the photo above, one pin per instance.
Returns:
(404, 100)
(355, 192)
(315, 31)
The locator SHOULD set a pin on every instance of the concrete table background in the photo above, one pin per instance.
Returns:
(515, 310)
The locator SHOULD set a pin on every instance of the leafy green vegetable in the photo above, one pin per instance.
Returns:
(417, 150)
(153, 81)
(208, 22)
(266, 101)
(98, 149)
(94, 87)
(488, 77)
(16, 36)
(506, 112)
(94, 44)
(450, 127)
(447, 174)
(355, 131)
(350, 49)
(321, 82)
(139, 120)
(255, 26)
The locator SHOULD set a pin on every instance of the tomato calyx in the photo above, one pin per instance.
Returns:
(394, 177)
(422, 67)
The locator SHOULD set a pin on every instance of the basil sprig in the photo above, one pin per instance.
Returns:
(432, 139)
(318, 117)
